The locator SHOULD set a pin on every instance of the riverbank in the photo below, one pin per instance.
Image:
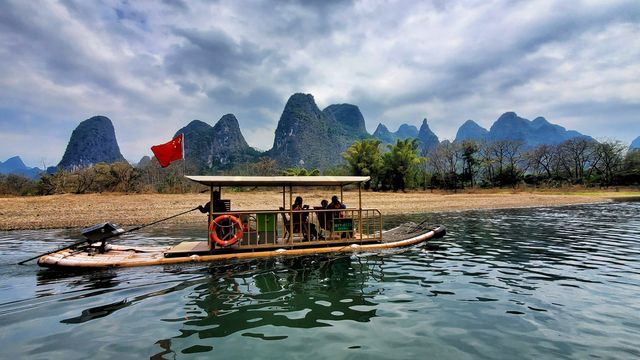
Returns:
(75, 211)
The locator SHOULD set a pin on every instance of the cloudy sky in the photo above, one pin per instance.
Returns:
(153, 66)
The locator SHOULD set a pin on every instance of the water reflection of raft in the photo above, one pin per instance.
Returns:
(260, 233)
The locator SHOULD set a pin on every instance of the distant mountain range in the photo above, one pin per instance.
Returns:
(405, 131)
(510, 126)
(635, 144)
(15, 165)
(305, 136)
(427, 140)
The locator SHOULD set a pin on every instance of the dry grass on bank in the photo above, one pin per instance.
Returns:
(73, 211)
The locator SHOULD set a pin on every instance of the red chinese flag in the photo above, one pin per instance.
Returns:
(168, 152)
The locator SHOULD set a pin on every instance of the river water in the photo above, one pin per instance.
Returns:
(541, 283)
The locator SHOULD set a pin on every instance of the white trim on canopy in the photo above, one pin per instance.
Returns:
(278, 180)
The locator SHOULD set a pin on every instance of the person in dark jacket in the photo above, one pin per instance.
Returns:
(222, 230)
(335, 203)
(218, 205)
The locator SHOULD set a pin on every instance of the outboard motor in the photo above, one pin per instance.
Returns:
(101, 232)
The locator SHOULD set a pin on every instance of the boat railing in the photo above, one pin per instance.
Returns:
(318, 226)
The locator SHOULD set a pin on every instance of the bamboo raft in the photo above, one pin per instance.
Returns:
(252, 234)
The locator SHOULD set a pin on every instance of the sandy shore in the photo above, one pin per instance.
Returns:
(73, 211)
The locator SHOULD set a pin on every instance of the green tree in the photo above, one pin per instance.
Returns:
(401, 163)
(630, 172)
(469, 161)
(364, 159)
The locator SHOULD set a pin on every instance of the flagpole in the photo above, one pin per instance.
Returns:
(184, 155)
(184, 158)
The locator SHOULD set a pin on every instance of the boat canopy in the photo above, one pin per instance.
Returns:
(278, 180)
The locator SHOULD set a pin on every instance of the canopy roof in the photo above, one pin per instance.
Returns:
(278, 180)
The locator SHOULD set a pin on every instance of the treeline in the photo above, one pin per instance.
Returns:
(147, 177)
(500, 163)
(116, 177)
(399, 166)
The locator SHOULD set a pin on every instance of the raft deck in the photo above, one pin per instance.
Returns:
(189, 251)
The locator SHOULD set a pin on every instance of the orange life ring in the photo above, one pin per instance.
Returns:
(213, 235)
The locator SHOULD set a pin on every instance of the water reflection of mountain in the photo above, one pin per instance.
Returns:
(304, 292)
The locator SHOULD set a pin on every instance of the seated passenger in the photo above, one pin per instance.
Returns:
(324, 217)
(303, 218)
(336, 204)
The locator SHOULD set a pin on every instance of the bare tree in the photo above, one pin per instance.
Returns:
(577, 155)
(83, 179)
(502, 161)
(445, 160)
(540, 160)
(610, 155)
(266, 166)
(124, 175)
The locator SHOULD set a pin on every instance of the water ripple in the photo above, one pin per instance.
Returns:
(530, 283)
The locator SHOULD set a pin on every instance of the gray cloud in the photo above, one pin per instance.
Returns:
(152, 67)
(496, 59)
(177, 4)
(257, 97)
(213, 52)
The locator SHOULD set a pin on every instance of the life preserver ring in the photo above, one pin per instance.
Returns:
(235, 222)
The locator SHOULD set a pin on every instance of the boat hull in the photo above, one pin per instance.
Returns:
(122, 256)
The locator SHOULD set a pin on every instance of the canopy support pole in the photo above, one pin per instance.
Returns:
(291, 214)
(360, 210)
(211, 246)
